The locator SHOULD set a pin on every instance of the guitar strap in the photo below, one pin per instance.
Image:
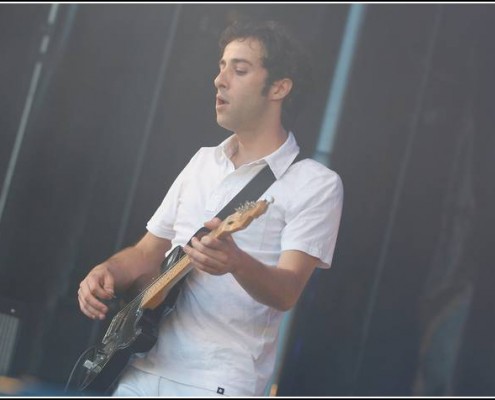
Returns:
(251, 192)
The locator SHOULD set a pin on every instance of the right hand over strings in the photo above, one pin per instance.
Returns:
(97, 287)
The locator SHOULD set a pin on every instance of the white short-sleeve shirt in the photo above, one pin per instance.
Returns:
(218, 336)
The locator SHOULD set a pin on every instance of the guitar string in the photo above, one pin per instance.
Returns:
(140, 296)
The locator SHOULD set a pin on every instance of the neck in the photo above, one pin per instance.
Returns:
(255, 145)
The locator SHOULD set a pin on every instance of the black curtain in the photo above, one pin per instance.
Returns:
(104, 104)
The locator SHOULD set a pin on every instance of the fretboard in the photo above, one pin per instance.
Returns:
(154, 295)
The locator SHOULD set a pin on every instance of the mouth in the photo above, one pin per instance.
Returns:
(220, 101)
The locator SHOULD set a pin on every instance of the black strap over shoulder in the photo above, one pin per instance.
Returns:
(251, 192)
(253, 189)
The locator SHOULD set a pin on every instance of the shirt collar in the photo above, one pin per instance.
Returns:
(278, 161)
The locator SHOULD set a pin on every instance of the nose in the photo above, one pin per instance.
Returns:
(221, 80)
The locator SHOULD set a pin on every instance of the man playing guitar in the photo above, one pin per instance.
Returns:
(221, 337)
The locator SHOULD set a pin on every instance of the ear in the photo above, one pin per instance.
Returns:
(281, 88)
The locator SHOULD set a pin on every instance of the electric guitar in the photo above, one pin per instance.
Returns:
(134, 329)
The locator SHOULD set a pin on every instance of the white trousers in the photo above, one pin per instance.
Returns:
(137, 383)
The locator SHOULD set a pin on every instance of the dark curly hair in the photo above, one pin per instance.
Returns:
(284, 58)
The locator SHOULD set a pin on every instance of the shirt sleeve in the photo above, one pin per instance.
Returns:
(161, 224)
(313, 218)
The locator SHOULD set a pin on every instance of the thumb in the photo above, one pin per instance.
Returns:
(108, 284)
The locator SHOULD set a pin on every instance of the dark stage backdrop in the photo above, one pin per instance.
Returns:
(102, 106)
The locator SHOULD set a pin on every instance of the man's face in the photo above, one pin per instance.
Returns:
(240, 104)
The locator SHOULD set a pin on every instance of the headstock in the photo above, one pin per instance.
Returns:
(243, 216)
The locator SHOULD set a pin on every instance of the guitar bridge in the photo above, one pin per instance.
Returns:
(92, 366)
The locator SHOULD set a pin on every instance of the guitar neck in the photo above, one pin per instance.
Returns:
(154, 294)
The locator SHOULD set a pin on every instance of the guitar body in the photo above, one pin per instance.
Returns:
(133, 330)
(88, 376)
(135, 327)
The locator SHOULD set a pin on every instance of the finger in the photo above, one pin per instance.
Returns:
(91, 301)
(211, 247)
(210, 242)
(209, 270)
(197, 257)
(88, 309)
(97, 285)
(213, 223)
(204, 263)
(108, 285)
(205, 266)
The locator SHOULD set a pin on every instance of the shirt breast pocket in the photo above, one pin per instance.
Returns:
(264, 233)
